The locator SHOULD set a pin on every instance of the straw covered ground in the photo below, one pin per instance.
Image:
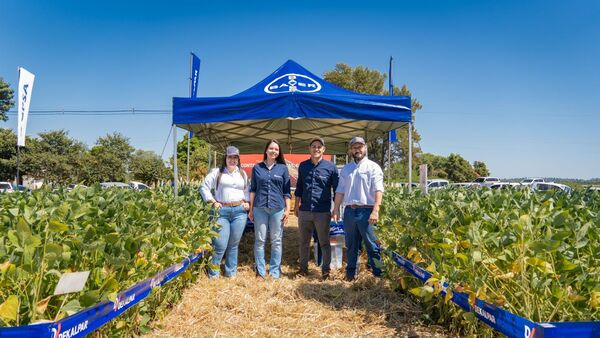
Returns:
(292, 306)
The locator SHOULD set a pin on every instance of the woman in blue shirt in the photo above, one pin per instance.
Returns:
(269, 207)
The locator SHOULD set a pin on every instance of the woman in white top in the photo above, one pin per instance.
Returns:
(230, 202)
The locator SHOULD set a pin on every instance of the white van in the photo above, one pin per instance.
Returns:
(6, 187)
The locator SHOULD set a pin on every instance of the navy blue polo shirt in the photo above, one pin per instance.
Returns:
(316, 185)
(270, 186)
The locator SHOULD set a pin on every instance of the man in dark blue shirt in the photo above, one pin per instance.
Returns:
(316, 184)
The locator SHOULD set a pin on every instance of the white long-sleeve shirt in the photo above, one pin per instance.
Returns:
(359, 182)
(232, 186)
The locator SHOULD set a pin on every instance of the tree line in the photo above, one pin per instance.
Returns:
(58, 159)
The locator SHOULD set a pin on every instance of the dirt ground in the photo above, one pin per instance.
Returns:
(293, 306)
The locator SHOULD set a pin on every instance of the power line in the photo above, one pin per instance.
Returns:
(96, 112)
(134, 111)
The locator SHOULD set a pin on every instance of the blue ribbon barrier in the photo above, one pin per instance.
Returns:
(90, 319)
(499, 319)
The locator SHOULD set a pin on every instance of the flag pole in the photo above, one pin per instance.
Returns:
(18, 151)
(391, 93)
(187, 172)
(175, 178)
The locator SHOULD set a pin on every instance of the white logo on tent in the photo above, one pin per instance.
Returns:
(293, 83)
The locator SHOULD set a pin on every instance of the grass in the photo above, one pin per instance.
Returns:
(291, 306)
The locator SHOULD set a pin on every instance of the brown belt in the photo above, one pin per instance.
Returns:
(358, 206)
(231, 204)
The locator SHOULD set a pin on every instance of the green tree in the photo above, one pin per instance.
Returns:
(198, 158)
(480, 169)
(436, 165)
(459, 169)
(54, 157)
(367, 81)
(8, 154)
(108, 160)
(6, 99)
(148, 167)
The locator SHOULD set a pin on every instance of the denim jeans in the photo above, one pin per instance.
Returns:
(356, 226)
(233, 222)
(268, 218)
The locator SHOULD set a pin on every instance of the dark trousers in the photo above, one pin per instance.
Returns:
(308, 222)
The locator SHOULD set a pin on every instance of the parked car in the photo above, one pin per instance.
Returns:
(486, 181)
(465, 185)
(76, 186)
(549, 186)
(594, 188)
(437, 184)
(506, 185)
(530, 181)
(6, 187)
(117, 185)
(138, 185)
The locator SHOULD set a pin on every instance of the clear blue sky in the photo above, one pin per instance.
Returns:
(515, 84)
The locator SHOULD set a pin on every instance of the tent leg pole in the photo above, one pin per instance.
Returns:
(209, 159)
(175, 160)
(409, 156)
(389, 154)
(187, 172)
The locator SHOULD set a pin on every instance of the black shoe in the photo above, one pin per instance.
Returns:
(325, 275)
(302, 273)
(349, 278)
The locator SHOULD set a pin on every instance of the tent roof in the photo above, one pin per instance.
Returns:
(291, 105)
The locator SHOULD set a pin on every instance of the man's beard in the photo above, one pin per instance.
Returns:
(358, 156)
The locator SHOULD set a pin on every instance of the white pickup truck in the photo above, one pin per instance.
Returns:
(530, 181)
(486, 181)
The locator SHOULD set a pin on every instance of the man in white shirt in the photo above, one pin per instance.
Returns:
(360, 188)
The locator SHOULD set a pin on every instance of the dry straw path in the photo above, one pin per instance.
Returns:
(297, 307)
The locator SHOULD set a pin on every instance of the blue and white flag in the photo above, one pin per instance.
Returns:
(25, 88)
(392, 134)
(194, 75)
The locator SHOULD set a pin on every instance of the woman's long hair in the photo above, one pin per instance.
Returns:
(224, 164)
(280, 158)
(223, 167)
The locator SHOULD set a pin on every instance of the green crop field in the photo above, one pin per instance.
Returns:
(120, 236)
(534, 254)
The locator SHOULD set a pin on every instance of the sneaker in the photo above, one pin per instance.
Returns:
(349, 278)
(325, 275)
(301, 273)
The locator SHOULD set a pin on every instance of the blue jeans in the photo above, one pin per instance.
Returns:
(268, 218)
(233, 222)
(356, 226)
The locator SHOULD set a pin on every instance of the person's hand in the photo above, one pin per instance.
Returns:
(246, 206)
(251, 215)
(374, 217)
(336, 215)
(217, 205)
(285, 217)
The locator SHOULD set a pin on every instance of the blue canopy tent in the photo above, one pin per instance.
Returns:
(291, 105)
